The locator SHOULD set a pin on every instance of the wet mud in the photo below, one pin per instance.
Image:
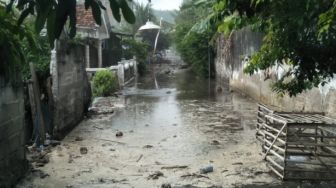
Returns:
(167, 135)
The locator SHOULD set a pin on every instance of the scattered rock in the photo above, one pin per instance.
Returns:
(54, 143)
(174, 136)
(215, 142)
(112, 149)
(78, 138)
(168, 92)
(206, 169)
(158, 163)
(155, 175)
(119, 134)
(166, 185)
(148, 146)
(83, 150)
(147, 125)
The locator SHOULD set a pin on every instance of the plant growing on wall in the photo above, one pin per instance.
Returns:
(104, 83)
(298, 34)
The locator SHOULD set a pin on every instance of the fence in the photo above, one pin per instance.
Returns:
(298, 146)
(126, 71)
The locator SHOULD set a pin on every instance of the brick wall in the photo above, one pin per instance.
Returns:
(12, 152)
(71, 89)
(231, 58)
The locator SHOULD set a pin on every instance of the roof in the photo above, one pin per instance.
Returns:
(84, 17)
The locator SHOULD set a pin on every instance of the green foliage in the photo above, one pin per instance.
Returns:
(11, 37)
(139, 50)
(192, 36)
(104, 83)
(55, 14)
(298, 34)
(40, 57)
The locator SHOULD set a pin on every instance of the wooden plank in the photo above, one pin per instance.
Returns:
(275, 139)
(273, 129)
(312, 163)
(275, 146)
(268, 158)
(307, 170)
(311, 144)
(273, 136)
(32, 101)
(275, 171)
(37, 97)
(311, 135)
(275, 154)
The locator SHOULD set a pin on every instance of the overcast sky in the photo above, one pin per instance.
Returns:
(163, 4)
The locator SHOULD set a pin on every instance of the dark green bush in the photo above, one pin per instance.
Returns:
(138, 49)
(104, 83)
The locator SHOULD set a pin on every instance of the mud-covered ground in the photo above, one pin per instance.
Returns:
(169, 131)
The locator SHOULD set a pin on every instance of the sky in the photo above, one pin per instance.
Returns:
(163, 4)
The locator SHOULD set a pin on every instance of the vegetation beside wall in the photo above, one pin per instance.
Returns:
(104, 83)
(139, 50)
(194, 43)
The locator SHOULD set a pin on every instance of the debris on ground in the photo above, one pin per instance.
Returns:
(215, 142)
(194, 175)
(140, 157)
(166, 185)
(239, 163)
(206, 169)
(148, 146)
(78, 138)
(155, 175)
(83, 150)
(39, 173)
(119, 134)
(174, 167)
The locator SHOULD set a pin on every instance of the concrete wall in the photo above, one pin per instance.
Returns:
(71, 89)
(232, 55)
(12, 152)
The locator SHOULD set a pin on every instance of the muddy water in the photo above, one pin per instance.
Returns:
(168, 135)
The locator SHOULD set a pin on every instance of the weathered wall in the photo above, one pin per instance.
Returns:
(70, 88)
(12, 152)
(232, 54)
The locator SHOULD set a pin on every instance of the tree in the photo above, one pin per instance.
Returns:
(11, 37)
(56, 13)
(298, 34)
(192, 36)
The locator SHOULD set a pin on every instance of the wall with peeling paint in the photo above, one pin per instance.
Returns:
(232, 55)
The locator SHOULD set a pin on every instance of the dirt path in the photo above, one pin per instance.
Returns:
(168, 135)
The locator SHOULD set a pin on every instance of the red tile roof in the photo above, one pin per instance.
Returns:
(84, 17)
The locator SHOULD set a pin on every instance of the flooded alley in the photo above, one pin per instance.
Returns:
(164, 137)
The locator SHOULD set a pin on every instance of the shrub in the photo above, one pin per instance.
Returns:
(104, 83)
(139, 50)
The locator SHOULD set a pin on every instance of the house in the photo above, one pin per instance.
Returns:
(103, 43)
